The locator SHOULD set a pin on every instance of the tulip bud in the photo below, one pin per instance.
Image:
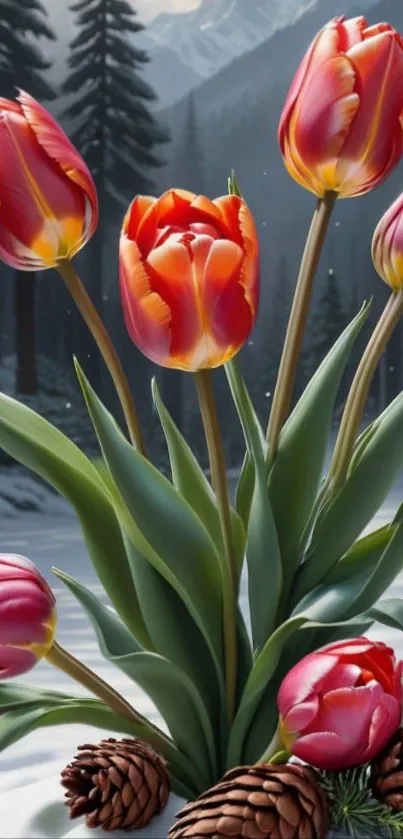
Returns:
(340, 705)
(387, 246)
(27, 616)
(189, 278)
(341, 126)
(48, 201)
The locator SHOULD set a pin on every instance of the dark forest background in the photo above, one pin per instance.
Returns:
(143, 126)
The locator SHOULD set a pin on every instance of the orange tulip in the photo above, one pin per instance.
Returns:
(48, 201)
(387, 246)
(341, 128)
(189, 278)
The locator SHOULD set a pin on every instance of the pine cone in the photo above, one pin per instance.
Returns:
(258, 802)
(387, 773)
(118, 784)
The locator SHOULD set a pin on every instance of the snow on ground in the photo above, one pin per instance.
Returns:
(56, 540)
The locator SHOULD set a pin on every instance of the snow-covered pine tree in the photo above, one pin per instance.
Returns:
(22, 64)
(112, 124)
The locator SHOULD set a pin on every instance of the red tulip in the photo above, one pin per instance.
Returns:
(341, 126)
(189, 277)
(27, 616)
(340, 705)
(387, 246)
(48, 201)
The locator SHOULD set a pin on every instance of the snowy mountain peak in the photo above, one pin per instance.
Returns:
(218, 31)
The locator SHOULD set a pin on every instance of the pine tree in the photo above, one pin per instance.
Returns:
(187, 172)
(188, 166)
(113, 125)
(327, 324)
(22, 65)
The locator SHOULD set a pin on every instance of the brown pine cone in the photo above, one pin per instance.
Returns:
(118, 784)
(258, 802)
(387, 773)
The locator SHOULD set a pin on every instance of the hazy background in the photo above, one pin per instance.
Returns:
(197, 91)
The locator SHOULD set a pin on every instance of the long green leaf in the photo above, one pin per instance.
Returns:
(162, 526)
(263, 553)
(358, 500)
(37, 444)
(339, 596)
(297, 470)
(190, 480)
(17, 723)
(170, 689)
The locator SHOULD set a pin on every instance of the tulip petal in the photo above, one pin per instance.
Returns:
(323, 749)
(304, 679)
(385, 721)
(323, 46)
(135, 214)
(56, 144)
(323, 116)
(15, 662)
(370, 152)
(147, 316)
(171, 208)
(169, 268)
(301, 715)
(229, 207)
(229, 313)
(351, 31)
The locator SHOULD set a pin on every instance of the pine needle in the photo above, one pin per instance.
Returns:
(353, 809)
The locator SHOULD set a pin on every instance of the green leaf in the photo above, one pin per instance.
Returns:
(173, 632)
(42, 448)
(297, 470)
(162, 526)
(341, 594)
(190, 480)
(259, 678)
(244, 490)
(233, 185)
(389, 612)
(17, 723)
(263, 553)
(359, 499)
(172, 692)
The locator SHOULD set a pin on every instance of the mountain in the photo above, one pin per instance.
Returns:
(219, 30)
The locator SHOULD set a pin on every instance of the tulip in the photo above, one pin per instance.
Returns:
(387, 246)
(340, 705)
(341, 126)
(48, 201)
(189, 278)
(27, 616)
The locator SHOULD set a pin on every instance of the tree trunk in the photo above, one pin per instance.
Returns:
(25, 344)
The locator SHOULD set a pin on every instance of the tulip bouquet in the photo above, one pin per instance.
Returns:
(170, 552)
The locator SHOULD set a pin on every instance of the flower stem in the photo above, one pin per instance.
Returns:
(355, 404)
(109, 354)
(220, 486)
(297, 322)
(62, 659)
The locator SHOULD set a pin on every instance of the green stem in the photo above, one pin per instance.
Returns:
(229, 567)
(297, 322)
(109, 354)
(355, 404)
(74, 668)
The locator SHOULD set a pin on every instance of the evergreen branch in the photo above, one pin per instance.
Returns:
(353, 809)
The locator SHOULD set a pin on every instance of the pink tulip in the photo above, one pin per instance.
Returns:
(340, 705)
(27, 616)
